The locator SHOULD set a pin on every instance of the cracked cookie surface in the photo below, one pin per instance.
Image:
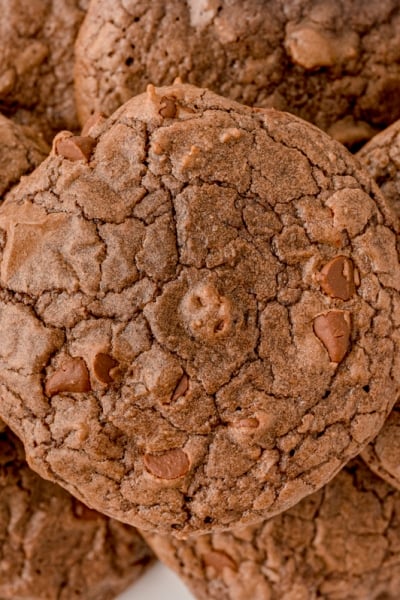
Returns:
(334, 63)
(381, 157)
(382, 455)
(54, 547)
(341, 543)
(21, 150)
(37, 55)
(197, 312)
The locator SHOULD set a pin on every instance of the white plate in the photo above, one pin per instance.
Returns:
(158, 583)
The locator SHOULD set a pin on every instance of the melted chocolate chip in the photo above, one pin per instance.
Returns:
(102, 367)
(72, 376)
(75, 147)
(337, 278)
(167, 107)
(333, 329)
(181, 387)
(168, 465)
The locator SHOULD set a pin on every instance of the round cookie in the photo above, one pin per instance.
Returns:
(381, 157)
(196, 312)
(54, 547)
(341, 543)
(36, 72)
(21, 150)
(334, 63)
(382, 455)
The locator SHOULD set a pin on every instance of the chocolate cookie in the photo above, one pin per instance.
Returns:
(53, 547)
(334, 63)
(37, 54)
(196, 312)
(381, 157)
(383, 454)
(21, 150)
(341, 543)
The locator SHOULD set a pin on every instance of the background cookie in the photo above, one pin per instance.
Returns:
(334, 63)
(37, 53)
(21, 150)
(196, 312)
(340, 543)
(54, 547)
(381, 156)
(383, 454)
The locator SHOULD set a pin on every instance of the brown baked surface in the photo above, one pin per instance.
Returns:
(382, 455)
(334, 63)
(37, 56)
(21, 150)
(52, 547)
(341, 543)
(381, 157)
(189, 313)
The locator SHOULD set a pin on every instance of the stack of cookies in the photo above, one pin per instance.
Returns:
(200, 297)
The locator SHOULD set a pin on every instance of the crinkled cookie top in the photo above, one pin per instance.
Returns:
(382, 455)
(340, 543)
(332, 62)
(198, 312)
(21, 150)
(381, 158)
(54, 547)
(37, 55)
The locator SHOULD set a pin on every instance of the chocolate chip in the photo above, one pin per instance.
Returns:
(310, 47)
(102, 367)
(75, 147)
(181, 387)
(72, 376)
(95, 119)
(219, 560)
(337, 278)
(167, 107)
(168, 465)
(333, 329)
